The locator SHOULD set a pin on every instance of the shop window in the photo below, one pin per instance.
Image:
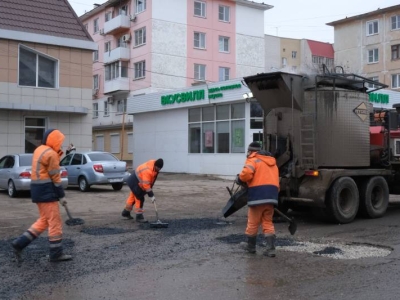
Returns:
(237, 130)
(34, 132)
(208, 137)
(222, 138)
(194, 138)
(256, 116)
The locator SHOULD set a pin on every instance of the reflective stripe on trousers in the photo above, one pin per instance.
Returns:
(49, 218)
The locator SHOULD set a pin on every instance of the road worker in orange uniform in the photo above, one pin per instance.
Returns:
(141, 183)
(261, 175)
(46, 192)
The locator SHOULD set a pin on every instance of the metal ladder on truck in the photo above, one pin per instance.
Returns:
(307, 141)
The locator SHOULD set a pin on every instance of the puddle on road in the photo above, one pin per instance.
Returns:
(329, 249)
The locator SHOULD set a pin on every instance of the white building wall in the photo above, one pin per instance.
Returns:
(250, 55)
(249, 21)
(172, 11)
(272, 53)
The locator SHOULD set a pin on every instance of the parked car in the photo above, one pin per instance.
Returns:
(95, 168)
(15, 173)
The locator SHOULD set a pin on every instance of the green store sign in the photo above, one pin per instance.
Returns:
(213, 93)
(379, 98)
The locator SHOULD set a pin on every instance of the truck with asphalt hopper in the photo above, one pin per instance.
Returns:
(337, 155)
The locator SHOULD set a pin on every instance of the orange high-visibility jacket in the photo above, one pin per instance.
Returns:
(46, 178)
(261, 174)
(142, 181)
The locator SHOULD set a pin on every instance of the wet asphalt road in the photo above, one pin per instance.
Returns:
(195, 257)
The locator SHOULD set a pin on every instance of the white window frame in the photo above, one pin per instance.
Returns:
(199, 72)
(97, 144)
(294, 54)
(140, 37)
(56, 66)
(395, 81)
(95, 110)
(284, 62)
(121, 10)
(36, 129)
(370, 25)
(96, 25)
(374, 78)
(95, 82)
(130, 142)
(202, 9)
(223, 73)
(395, 20)
(108, 16)
(112, 71)
(140, 6)
(121, 106)
(95, 55)
(199, 38)
(112, 149)
(226, 13)
(139, 69)
(106, 112)
(121, 43)
(221, 44)
(373, 56)
(107, 47)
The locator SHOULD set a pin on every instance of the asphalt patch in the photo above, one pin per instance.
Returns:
(186, 226)
(237, 238)
(329, 251)
(99, 231)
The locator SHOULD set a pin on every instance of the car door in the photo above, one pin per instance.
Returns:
(6, 163)
(75, 167)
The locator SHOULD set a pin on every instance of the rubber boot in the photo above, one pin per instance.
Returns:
(20, 243)
(140, 218)
(250, 245)
(270, 245)
(56, 252)
(62, 257)
(127, 214)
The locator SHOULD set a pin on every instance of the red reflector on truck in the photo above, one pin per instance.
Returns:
(311, 173)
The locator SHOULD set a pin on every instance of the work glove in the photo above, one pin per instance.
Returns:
(237, 180)
(63, 202)
(153, 199)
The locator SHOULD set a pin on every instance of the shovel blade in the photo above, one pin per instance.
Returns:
(74, 222)
(292, 227)
(158, 224)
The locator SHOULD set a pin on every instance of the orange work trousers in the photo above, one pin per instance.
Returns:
(49, 217)
(132, 200)
(260, 215)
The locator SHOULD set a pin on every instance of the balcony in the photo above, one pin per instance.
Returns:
(120, 53)
(117, 25)
(116, 85)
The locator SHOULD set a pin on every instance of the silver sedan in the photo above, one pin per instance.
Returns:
(95, 168)
(15, 173)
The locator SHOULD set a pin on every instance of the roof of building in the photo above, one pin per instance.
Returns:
(109, 3)
(366, 15)
(321, 49)
(47, 17)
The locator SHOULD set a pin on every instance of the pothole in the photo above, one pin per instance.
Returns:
(104, 230)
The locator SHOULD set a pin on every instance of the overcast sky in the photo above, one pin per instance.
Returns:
(294, 18)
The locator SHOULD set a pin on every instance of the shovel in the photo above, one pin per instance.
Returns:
(158, 224)
(72, 221)
(292, 225)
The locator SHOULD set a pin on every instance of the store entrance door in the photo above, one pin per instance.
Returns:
(257, 136)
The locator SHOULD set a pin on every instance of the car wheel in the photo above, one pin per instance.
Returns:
(83, 184)
(117, 186)
(12, 192)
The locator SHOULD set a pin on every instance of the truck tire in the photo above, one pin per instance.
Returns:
(343, 200)
(374, 197)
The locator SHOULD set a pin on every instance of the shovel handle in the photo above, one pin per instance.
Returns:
(283, 215)
(67, 210)
(155, 207)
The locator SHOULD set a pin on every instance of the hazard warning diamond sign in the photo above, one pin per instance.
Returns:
(361, 111)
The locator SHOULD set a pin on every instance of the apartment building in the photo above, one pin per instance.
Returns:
(148, 46)
(45, 75)
(369, 45)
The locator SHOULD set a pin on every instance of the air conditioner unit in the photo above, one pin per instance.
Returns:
(102, 32)
(110, 100)
(95, 92)
(133, 18)
(126, 38)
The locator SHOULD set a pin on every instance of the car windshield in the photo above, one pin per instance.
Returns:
(102, 157)
(25, 160)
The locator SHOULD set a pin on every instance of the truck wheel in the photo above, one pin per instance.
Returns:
(343, 200)
(374, 197)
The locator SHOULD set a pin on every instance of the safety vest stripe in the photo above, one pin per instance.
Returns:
(262, 201)
(55, 237)
(38, 181)
(38, 162)
(53, 172)
(250, 167)
(34, 231)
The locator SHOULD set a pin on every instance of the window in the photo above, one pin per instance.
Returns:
(121, 106)
(121, 43)
(140, 68)
(115, 147)
(372, 27)
(256, 116)
(99, 142)
(284, 62)
(37, 70)
(199, 72)
(223, 44)
(107, 47)
(395, 52)
(96, 25)
(111, 71)
(106, 109)
(315, 59)
(95, 110)
(34, 132)
(217, 129)
(96, 55)
(223, 74)
(77, 159)
(395, 22)
(123, 10)
(140, 36)
(108, 16)
(200, 9)
(294, 54)
(130, 142)
(371, 85)
(200, 40)
(223, 13)
(140, 6)
(396, 81)
(373, 56)
(329, 62)
(95, 81)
